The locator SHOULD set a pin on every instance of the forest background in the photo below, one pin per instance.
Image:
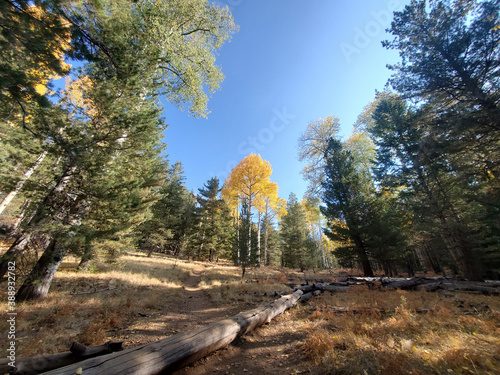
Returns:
(84, 170)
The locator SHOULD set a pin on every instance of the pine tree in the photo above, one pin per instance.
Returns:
(296, 242)
(346, 205)
(408, 157)
(214, 233)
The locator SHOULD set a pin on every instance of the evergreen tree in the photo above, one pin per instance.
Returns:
(451, 68)
(214, 233)
(173, 216)
(346, 205)
(296, 242)
(410, 157)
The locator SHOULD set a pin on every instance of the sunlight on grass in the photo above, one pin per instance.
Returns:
(74, 312)
(453, 337)
(392, 332)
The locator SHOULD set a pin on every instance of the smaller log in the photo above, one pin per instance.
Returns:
(360, 310)
(331, 288)
(405, 284)
(305, 288)
(315, 281)
(78, 352)
(306, 297)
(431, 287)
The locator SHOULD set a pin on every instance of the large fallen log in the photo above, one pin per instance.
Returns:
(77, 353)
(183, 348)
(460, 286)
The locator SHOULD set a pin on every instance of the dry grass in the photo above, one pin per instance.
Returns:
(137, 284)
(458, 336)
(225, 286)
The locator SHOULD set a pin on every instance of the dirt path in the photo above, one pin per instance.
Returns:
(271, 349)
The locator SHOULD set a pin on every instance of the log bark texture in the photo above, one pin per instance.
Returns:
(77, 353)
(179, 350)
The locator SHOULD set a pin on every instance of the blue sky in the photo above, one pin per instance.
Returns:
(291, 62)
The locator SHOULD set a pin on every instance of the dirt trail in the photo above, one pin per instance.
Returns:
(271, 349)
(196, 306)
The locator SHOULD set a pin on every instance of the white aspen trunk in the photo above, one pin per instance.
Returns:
(13, 231)
(266, 234)
(6, 201)
(323, 254)
(237, 217)
(249, 213)
(258, 241)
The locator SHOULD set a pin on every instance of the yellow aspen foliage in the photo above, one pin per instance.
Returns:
(249, 180)
(42, 74)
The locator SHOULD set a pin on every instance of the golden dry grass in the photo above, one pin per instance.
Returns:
(67, 314)
(459, 335)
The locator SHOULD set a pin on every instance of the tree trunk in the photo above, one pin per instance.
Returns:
(266, 235)
(249, 213)
(19, 245)
(453, 236)
(87, 257)
(237, 223)
(38, 282)
(362, 256)
(164, 356)
(78, 352)
(258, 241)
(14, 230)
(6, 201)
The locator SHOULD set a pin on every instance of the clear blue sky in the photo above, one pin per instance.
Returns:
(292, 61)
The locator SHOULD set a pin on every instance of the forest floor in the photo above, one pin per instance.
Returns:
(138, 300)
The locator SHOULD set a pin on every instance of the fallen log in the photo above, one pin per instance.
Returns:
(77, 353)
(183, 348)
(405, 284)
(306, 297)
(469, 287)
(315, 281)
(305, 288)
(360, 310)
(331, 288)
(460, 286)
(412, 283)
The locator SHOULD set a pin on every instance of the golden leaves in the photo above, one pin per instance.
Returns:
(250, 180)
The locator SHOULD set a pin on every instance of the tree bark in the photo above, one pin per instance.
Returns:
(258, 241)
(38, 282)
(78, 352)
(176, 351)
(6, 201)
(19, 245)
(87, 257)
(362, 256)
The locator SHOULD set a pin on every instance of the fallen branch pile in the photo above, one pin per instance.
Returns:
(430, 284)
